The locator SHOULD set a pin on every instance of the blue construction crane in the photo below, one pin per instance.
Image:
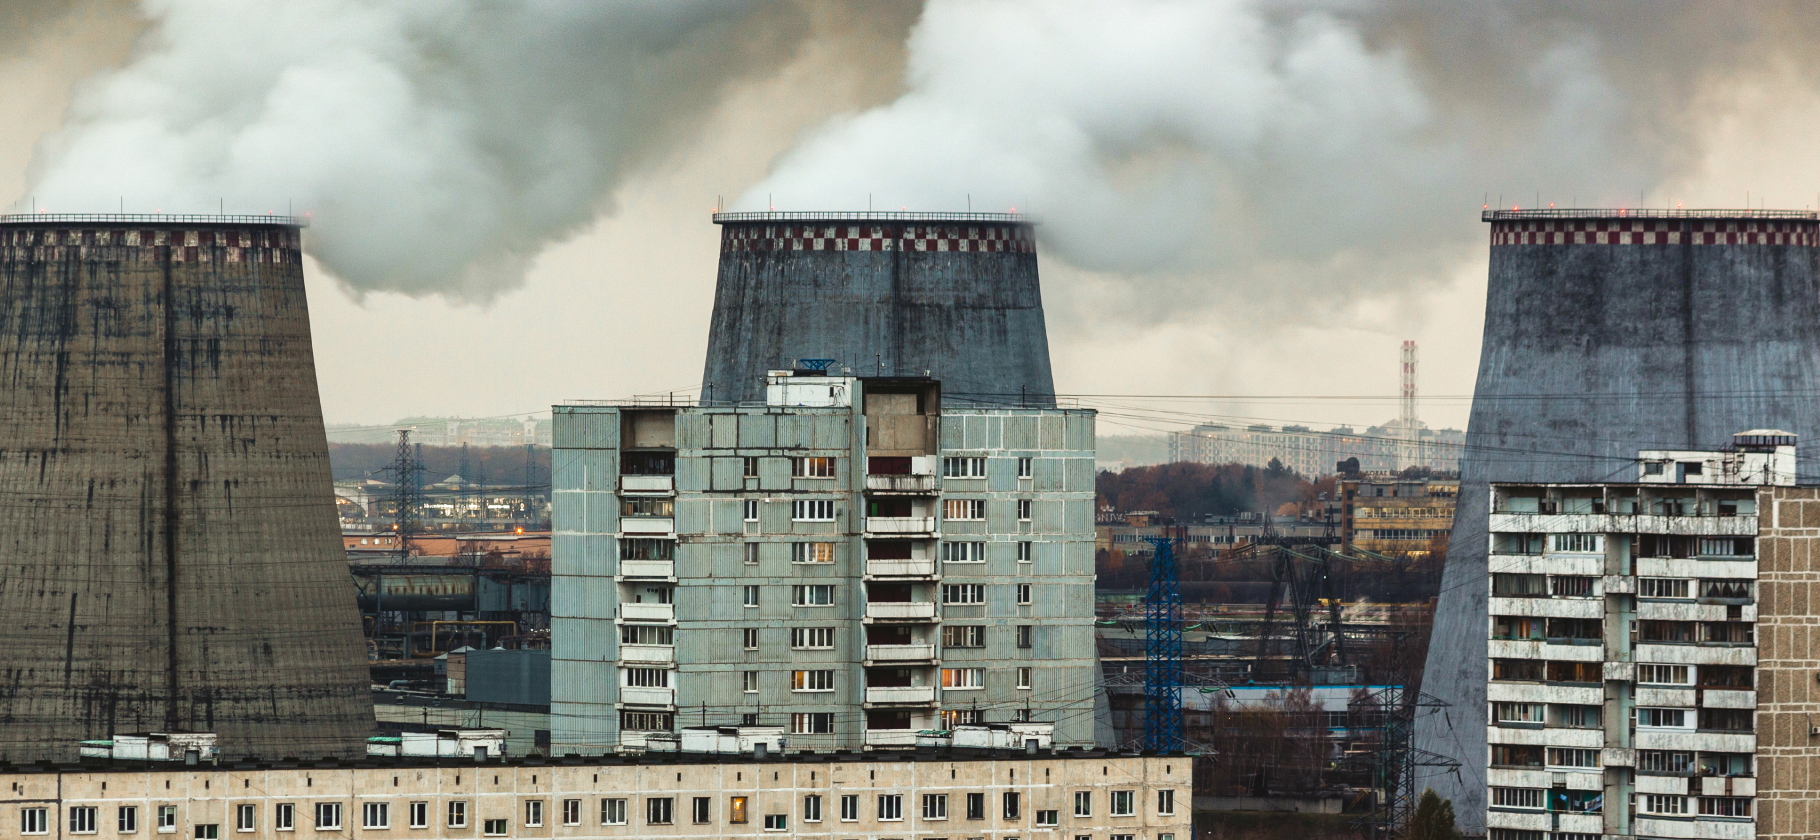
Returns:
(1163, 651)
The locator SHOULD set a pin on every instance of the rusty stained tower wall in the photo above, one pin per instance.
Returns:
(1609, 332)
(955, 294)
(170, 557)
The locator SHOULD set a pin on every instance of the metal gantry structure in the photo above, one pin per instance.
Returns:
(407, 473)
(1394, 761)
(1163, 651)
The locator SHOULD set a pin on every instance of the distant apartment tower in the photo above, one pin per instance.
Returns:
(1627, 671)
(1313, 453)
(848, 559)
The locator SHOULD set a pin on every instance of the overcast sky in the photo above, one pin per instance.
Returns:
(510, 201)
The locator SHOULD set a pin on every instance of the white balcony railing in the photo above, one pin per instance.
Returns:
(648, 654)
(651, 485)
(647, 696)
(899, 653)
(663, 569)
(900, 609)
(900, 524)
(900, 568)
(648, 612)
(901, 694)
(647, 525)
(903, 483)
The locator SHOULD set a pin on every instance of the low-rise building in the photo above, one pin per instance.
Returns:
(1387, 514)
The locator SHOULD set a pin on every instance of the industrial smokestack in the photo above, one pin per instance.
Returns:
(172, 556)
(1608, 332)
(952, 294)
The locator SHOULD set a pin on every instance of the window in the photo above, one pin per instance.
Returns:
(1515, 755)
(1573, 716)
(1023, 552)
(812, 595)
(1657, 803)
(34, 821)
(1083, 803)
(1726, 720)
(751, 554)
(647, 634)
(935, 806)
(777, 822)
(612, 812)
(1665, 631)
(976, 806)
(1023, 510)
(1023, 678)
(644, 548)
(963, 636)
(964, 552)
(749, 638)
(1580, 543)
(1023, 468)
(1507, 585)
(812, 552)
(1662, 674)
(751, 510)
(963, 468)
(749, 467)
(1023, 594)
(1567, 757)
(458, 814)
(1516, 669)
(534, 812)
(814, 467)
(1725, 547)
(1726, 589)
(648, 677)
(964, 509)
(1570, 586)
(127, 819)
(1662, 587)
(1664, 761)
(812, 638)
(890, 806)
(751, 682)
(1124, 803)
(1012, 802)
(1165, 802)
(328, 815)
(1508, 797)
(1666, 718)
(1724, 806)
(849, 808)
(812, 723)
(1047, 818)
(963, 678)
(82, 819)
(167, 818)
(699, 810)
(749, 596)
(375, 815)
(812, 510)
(1023, 635)
(207, 831)
(1517, 627)
(1122, 837)
(1522, 834)
(647, 507)
(1518, 712)
(645, 721)
(571, 812)
(658, 810)
(493, 828)
(957, 717)
(812, 680)
(420, 813)
(963, 593)
(812, 808)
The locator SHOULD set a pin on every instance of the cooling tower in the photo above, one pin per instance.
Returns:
(1607, 332)
(172, 558)
(955, 294)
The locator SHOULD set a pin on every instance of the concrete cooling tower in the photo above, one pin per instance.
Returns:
(1607, 332)
(173, 559)
(955, 294)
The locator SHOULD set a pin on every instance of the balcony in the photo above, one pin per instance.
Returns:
(647, 654)
(901, 695)
(648, 525)
(900, 653)
(903, 484)
(633, 696)
(900, 568)
(647, 485)
(891, 737)
(900, 525)
(648, 569)
(900, 611)
(647, 612)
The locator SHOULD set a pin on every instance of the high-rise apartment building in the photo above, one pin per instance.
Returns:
(1625, 664)
(850, 559)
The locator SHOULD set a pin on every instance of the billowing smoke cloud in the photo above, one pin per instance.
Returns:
(438, 146)
(1208, 151)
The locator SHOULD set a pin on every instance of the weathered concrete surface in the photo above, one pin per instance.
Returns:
(1595, 351)
(170, 557)
(957, 298)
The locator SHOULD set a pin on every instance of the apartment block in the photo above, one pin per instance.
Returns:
(959, 793)
(851, 560)
(1386, 514)
(1625, 669)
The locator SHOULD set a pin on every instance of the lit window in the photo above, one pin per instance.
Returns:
(814, 467)
(812, 552)
(964, 509)
(812, 680)
(963, 678)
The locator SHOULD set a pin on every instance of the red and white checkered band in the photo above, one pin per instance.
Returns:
(868, 237)
(279, 246)
(1654, 232)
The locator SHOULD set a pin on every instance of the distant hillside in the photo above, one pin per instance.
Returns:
(491, 464)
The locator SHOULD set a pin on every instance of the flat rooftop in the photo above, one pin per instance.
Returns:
(869, 216)
(142, 219)
(1643, 213)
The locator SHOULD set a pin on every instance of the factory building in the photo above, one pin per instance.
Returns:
(1608, 332)
(953, 296)
(852, 559)
(975, 793)
(1626, 663)
(171, 548)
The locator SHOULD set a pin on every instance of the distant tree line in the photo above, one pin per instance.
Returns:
(1185, 490)
(493, 465)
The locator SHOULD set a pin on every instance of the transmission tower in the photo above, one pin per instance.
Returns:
(1163, 651)
(466, 479)
(530, 479)
(1393, 761)
(407, 473)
